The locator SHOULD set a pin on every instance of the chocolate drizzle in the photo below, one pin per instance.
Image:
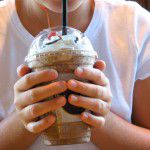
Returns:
(76, 40)
(49, 43)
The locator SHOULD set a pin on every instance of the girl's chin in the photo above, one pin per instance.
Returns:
(56, 5)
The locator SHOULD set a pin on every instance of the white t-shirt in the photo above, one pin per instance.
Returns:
(119, 32)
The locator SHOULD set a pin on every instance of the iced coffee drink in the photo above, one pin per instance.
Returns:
(64, 53)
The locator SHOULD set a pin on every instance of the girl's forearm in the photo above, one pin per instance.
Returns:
(118, 134)
(13, 135)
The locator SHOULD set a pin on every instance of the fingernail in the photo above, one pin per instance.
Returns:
(53, 73)
(85, 116)
(73, 83)
(30, 127)
(79, 70)
(74, 99)
(51, 118)
(19, 68)
(61, 100)
(62, 84)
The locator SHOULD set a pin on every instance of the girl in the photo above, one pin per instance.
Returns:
(120, 33)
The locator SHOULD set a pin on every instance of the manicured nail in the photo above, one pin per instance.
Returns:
(79, 70)
(74, 99)
(73, 83)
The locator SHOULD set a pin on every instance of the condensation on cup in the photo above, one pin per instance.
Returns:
(52, 50)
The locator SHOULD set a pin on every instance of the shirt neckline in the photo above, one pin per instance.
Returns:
(28, 38)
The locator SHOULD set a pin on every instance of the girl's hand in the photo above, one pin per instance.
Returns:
(97, 96)
(28, 98)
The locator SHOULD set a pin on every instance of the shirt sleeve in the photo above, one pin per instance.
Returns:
(142, 39)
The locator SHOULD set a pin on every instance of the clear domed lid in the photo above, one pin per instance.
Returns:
(52, 41)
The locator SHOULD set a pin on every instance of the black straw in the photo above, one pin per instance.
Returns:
(64, 17)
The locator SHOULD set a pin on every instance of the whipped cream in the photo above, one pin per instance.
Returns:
(54, 41)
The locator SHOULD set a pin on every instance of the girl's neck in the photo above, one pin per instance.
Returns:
(34, 19)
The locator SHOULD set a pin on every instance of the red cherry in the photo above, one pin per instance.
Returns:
(52, 34)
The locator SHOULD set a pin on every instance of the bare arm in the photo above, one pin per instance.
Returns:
(14, 130)
(118, 134)
(14, 135)
(115, 133)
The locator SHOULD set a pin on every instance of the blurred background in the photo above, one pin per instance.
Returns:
(144, 3)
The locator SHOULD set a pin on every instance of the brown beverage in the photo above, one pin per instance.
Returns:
(51, 50)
